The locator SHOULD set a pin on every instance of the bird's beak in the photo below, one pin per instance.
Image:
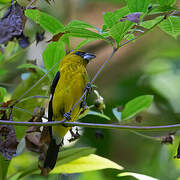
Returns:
(88, 56)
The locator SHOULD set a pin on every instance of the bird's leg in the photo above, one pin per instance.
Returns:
(75, 135)
(67, 116)
(88, 88)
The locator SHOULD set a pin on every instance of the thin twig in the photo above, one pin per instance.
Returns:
(94, 125)
(17, 101)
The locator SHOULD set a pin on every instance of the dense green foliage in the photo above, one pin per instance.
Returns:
(150, 96)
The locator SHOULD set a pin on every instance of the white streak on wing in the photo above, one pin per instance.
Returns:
(50, 97)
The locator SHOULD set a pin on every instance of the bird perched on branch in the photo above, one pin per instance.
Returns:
(67, 88)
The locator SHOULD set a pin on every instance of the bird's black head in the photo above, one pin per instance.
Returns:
(85, 56)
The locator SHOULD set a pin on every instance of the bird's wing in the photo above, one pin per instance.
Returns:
(52, 90)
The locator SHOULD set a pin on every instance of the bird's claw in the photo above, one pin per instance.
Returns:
(75, 135)
(88, 88)
(67, 116)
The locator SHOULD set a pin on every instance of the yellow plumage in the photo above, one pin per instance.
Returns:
(67, 88)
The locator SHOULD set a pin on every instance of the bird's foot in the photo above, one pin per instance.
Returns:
(67, 116)
(88, 88)
(75, 135)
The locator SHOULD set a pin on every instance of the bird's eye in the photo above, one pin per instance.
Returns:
(80, 53)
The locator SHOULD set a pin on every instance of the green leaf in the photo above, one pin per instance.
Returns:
(47, 22)
(3, 167)
(136, 105)
(30, 104)
(54, 52)
(137, 176)
(80, 24)
(111, 18)
(166, 2)
(74, 153)
(33, 66)
(65, 156)
(98, 114)
(88, 163)
(138, 5)
(117, 114)
(150, 23)
(83, 33)
(171, 26)
(119, 30)
(2, 93)
(82, 43)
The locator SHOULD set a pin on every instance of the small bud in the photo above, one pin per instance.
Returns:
(99, 102)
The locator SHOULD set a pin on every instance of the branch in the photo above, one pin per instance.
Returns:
(94, 125)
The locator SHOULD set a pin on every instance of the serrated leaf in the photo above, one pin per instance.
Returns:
(83, 33)
(119, 30)
(117, 114)
(136, 105)
(166, 2)
(111, 18)
(138, 5)
(54, 52)
(2, 93)
(137, 176)
(171, 26)
(150, 23)
(80, 24)
(47, 22)
(88, 163)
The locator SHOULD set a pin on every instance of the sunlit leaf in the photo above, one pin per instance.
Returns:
(53, 53)
(137, 176)
(88, 163)
(79, 24)
(65, 156)
(83, 33)
(74, 153)
(136, 105)
(138, 5)
(171, 26)
(47, 22)
(166, 2)
(119, 30)
(111, 18)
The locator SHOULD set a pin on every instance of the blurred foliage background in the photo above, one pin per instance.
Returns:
(151, 65)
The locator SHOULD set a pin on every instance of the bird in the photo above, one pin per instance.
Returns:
(66, 89)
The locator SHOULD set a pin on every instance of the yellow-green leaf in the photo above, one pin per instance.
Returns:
(88, 163)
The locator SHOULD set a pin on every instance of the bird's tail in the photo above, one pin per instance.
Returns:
(51, 155)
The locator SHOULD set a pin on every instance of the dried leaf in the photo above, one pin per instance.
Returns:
(12, 25)
(8, 141)
(56, 37)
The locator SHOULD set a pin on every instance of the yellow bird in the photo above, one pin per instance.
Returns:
(67, 88)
